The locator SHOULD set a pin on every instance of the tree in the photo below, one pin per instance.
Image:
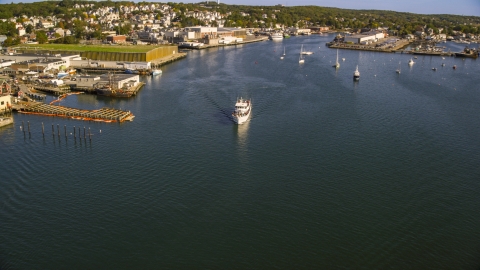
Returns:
(42, 37)
(29, 28)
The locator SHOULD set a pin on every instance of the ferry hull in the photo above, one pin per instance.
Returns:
(241, 119)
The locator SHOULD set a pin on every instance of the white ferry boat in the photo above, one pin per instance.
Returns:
(243, 109)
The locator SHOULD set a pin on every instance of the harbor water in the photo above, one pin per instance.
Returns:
(328, 173)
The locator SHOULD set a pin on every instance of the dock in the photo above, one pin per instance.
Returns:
(101, 115)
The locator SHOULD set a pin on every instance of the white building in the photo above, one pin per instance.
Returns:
(364, 37)
(5, 100)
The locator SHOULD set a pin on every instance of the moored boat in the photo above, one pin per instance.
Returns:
(356, 74)
(410, 63)
(243, 109)
(5, 121)
(109, 91)
(337, 64)
(62, 74)
(156, 72)
(301, 60)
(276, 36)
(467, 52)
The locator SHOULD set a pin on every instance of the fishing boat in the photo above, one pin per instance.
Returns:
(301, 60)
(467, 52)
(337, 64)
(111, 90)
(356, 74)
(410, 63)
(243, 109)
(156, 72)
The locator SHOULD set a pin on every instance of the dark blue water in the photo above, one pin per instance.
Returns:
(328, 173)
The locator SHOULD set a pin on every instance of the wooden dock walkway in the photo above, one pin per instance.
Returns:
(101, 115)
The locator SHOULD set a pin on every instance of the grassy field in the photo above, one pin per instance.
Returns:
(85, 48)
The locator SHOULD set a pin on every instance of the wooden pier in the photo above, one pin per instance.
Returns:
(101, 115)
(59, 90)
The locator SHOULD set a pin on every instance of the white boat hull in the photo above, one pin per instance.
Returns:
(156, 72)
(241, 119)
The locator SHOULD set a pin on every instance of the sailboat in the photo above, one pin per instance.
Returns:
(356, 74)
(337, 64)
(283, 56)
(399, 68)
(301, 60)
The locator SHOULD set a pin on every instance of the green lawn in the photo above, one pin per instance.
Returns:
(98, 48)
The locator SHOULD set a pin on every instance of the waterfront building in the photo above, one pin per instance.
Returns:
(364, 37)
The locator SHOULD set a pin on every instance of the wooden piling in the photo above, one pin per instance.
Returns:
(29, 134)
(23, 128)
(84, 133)
(65, 130)
(53, 131)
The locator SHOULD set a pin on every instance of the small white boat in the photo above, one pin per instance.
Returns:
(337, 64)
(243, 109)
(443, 64)
(62, 74)
(399, 70)
(356, 74)
(307, 53)
(156, 72)
(301, 60)
(410, 63)
(434, 69)
(343, 59)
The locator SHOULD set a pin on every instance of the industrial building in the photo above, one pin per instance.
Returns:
(364, 38)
